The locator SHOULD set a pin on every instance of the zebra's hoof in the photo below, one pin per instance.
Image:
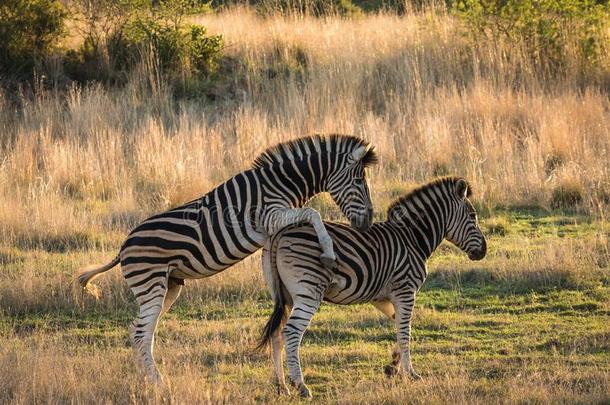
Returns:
(390, 370)
(330, 262)
(304, 391)
(282, 389)
(155, 379)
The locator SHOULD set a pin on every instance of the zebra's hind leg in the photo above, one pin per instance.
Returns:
(150, 294)
(297, 323)
(174, 288)
(277, 344)
(404, 312)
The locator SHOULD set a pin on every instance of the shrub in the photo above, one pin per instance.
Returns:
(335, 7)
(29, 32)
(550, 30)
(136, 31)
(308, 7)
(566, 195)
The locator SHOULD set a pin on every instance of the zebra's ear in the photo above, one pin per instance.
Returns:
(461, 188)
(357, 155)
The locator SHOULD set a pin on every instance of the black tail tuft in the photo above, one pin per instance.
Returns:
(275, 321)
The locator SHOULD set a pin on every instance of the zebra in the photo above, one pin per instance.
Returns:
(219, 229)
(386, 266)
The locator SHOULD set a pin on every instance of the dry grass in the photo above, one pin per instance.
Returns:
(93, 376)
(96, 160)
(472, 344)
(529, 324)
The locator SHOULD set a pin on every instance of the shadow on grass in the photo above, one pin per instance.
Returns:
(594, 343)
(57, 243)
(537, 280)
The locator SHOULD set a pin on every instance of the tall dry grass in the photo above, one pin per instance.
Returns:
(80, 168)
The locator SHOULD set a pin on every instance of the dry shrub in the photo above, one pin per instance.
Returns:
(566, 195)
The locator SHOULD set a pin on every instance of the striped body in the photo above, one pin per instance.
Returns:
(202, 237)
(386, 266)
(368, 264)
(210, 234)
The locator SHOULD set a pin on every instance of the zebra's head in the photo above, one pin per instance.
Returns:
(463, 226)
(348, 187)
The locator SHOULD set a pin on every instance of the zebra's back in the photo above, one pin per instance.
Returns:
(199, 238)
(365, 261)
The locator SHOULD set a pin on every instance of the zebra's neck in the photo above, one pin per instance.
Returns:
(296, 181)
(425, 223)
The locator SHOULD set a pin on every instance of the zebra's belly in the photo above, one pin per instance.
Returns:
(345, 300)
(342, 291)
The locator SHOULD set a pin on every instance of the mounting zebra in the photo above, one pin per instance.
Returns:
(386, 266)
(211, 233)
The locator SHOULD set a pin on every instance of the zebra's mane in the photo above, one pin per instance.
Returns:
(448, 182)
(297, 149)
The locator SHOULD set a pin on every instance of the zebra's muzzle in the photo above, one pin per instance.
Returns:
(480, 253)
(363, 222)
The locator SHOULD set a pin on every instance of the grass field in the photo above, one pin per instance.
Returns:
(529, 324)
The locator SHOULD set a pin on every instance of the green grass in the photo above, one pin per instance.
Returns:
(530, 323)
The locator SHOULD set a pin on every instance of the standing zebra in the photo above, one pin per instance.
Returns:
(385, 266)
(208, 235)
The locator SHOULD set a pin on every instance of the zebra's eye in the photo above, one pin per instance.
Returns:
(358, 181)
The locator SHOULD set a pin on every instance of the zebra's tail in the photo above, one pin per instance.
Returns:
(85, 277)
(277, 318)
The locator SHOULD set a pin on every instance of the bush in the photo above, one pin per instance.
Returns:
(550, 30)
(334, 7)
(308, 7)
(29, 32)
(180, 52)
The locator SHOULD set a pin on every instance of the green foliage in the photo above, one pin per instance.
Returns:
(549, 30)
(121, 36)
(334, 7)
(29, 33)
(309, 7)
(203, 50)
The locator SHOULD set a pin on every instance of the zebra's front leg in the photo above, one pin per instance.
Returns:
(387, 308)
(288, 216)
(404, 314)
(297, 323)
(393, 368)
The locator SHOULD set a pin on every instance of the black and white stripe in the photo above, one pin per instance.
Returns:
(386, 266)
(208, 235)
